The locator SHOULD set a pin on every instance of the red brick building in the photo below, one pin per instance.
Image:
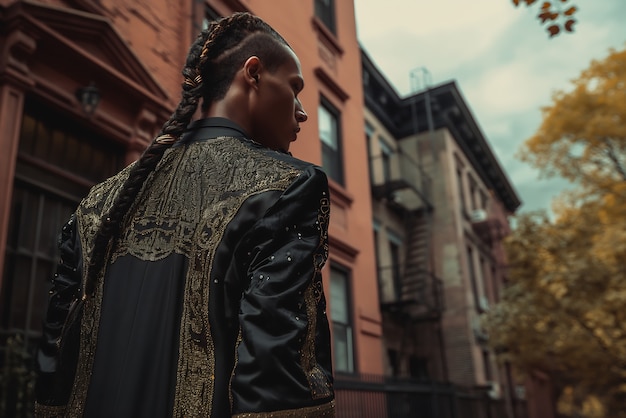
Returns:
(57, 142)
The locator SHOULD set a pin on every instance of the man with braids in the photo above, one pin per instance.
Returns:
(190, 283)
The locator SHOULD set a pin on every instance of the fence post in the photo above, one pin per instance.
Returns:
(455, 404)
(434, 404)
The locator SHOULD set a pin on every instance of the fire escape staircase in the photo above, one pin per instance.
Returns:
(419, 293)
(406, 189)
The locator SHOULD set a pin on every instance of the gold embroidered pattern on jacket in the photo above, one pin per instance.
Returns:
(318, 382)
(195, 192)
(326, 410)
(47, 411)
(232, 373)
(88, 215)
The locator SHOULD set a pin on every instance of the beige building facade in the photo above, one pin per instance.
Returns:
(440, 207)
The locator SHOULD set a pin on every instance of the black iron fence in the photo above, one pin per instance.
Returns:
(365, 396)
(357, 396)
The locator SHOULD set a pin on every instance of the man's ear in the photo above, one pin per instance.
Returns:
(252, 69)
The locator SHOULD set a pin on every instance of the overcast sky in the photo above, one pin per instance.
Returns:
(502, 60)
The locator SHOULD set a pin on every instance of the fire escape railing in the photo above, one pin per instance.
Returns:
(416, 293)
(409, 288)
(400, 180)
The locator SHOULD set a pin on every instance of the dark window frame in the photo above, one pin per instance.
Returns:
(208, 13)
(369, 133)
(58, 161)
(336, 170)
(419, 368)
(461, 190)
(395, 255)
(325, 11)
(346, 274)
(386, 153)
(487, 365)
(394, 362)
(471, 269)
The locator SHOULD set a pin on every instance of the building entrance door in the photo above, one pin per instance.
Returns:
(58, 161)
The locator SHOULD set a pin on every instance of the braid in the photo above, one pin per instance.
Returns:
(208, 60)
(110, 226)
(233, 40)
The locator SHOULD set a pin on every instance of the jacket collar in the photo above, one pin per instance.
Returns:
(208, 128)
(215, 127)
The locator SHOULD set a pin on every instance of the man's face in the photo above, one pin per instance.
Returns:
(276, 112)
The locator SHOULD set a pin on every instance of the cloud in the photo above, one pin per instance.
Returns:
(539, 195)
(430, 37)
(502, 60)
(374, 17)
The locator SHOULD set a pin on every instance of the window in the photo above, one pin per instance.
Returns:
(483, 200)
(369, 132)
(385, 156)
(461, 187)
(487, 365)
(376, 227)
(210, 15)
(201, 16)
(418, 368)
(325, 11)
(393, 362)
(48, 142)
(496, 283)
(394, 251)
(486, 280)
(472, 275)
(473, 191)
(395, 247)
(341, 320)
(328, 119)
(379, 268)
(58, 163)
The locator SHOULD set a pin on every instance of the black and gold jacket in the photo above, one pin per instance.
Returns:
(212, 303)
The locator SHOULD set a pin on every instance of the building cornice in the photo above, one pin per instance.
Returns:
(404, 117)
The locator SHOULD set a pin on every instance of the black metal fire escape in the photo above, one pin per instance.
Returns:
(405, 188)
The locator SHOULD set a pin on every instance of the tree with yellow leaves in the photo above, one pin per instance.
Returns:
(583, 133)
(564, 310)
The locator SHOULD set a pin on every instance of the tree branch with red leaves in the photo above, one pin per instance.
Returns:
(556, 15)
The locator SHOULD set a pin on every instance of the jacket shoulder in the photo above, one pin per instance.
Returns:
(102, 194)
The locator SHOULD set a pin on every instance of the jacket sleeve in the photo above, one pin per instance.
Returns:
(55, 375)
(283, 353)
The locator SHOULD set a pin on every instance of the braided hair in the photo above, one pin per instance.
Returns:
(214, 58)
